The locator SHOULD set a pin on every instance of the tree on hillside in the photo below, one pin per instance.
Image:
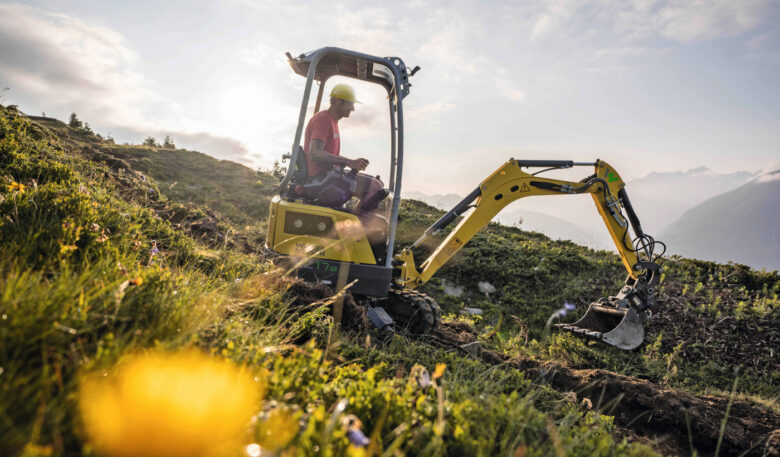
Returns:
(278, 171)
(168, 143)
(75, 122)
(150, 141)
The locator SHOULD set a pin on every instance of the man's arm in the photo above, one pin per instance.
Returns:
(318, 154)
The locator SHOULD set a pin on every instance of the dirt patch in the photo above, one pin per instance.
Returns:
(353, 316)
(670, 420)
(662, 416)
(751, 343)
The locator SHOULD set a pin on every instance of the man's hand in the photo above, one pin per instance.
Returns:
(357, 164)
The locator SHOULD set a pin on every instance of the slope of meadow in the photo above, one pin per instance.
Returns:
(112, 251)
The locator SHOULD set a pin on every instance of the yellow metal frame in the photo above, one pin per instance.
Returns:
(347, 244)
(508, 184)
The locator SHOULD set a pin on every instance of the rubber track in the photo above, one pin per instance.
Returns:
(413, 310)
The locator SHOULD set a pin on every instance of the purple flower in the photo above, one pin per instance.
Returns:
(424, 379)
(563, 311)
(357, 437)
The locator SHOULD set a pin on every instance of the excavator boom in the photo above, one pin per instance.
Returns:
(614, 320)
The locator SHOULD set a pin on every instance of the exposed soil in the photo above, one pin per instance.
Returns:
(657, 415)
(672, 421)
(749, 343)
(353, 316)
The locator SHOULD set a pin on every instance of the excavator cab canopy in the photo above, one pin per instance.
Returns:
(388, 72)
(340, 62)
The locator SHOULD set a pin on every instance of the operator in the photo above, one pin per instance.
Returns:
(322, 146)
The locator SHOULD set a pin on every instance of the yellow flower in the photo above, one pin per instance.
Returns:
(137, 281)
(168, 404)
(67, 248)
(439, 371)
(14, 186)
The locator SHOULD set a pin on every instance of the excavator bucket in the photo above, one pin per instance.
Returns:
(619, 327)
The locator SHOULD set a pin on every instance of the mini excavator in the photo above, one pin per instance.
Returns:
(312, 227)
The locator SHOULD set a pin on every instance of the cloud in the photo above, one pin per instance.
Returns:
(508, 89)
(702, 20)
(613, 54)
(429, 113)
(76, 66)
(69, 63)
(678, 20)
(217, 146)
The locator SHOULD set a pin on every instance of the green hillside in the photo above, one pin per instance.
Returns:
(111, 251)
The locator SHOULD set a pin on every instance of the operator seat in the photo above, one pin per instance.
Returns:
(331, 189)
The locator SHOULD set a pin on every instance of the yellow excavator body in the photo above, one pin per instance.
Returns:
(316, 232)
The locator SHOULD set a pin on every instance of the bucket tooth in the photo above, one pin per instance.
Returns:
(619, 327)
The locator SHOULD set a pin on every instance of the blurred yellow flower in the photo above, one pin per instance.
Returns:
(169, 404)
(439, 371)
(14, 186)
(137, 281)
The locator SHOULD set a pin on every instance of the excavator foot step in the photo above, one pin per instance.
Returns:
(618, 327)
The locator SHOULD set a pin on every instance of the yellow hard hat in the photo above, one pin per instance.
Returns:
(344, 92)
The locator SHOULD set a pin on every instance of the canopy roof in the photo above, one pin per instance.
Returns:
(351, 64)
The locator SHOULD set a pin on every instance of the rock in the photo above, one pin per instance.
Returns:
(486, 288)
(474, 348)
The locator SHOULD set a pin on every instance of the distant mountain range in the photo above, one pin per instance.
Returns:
(742, 225)
(660, 198)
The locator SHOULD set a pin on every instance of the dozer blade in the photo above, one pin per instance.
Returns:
(619, 327)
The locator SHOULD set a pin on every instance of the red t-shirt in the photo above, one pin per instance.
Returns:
(322, 126)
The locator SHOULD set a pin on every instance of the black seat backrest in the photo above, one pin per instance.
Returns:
(301, 169)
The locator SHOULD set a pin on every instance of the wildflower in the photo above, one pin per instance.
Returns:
(439, 371)
(168, 404)
(563, 311)
(421, 375)
(15, 186)
(354, 430)
(67, 248)
(154, 250)
(357, 437)
(94, 227)
(137, 281)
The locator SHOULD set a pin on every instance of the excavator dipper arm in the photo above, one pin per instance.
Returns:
(614, 320)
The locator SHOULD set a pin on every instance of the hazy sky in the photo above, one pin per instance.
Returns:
(646, 85)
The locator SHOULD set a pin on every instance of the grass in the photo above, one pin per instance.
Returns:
(83, 290)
